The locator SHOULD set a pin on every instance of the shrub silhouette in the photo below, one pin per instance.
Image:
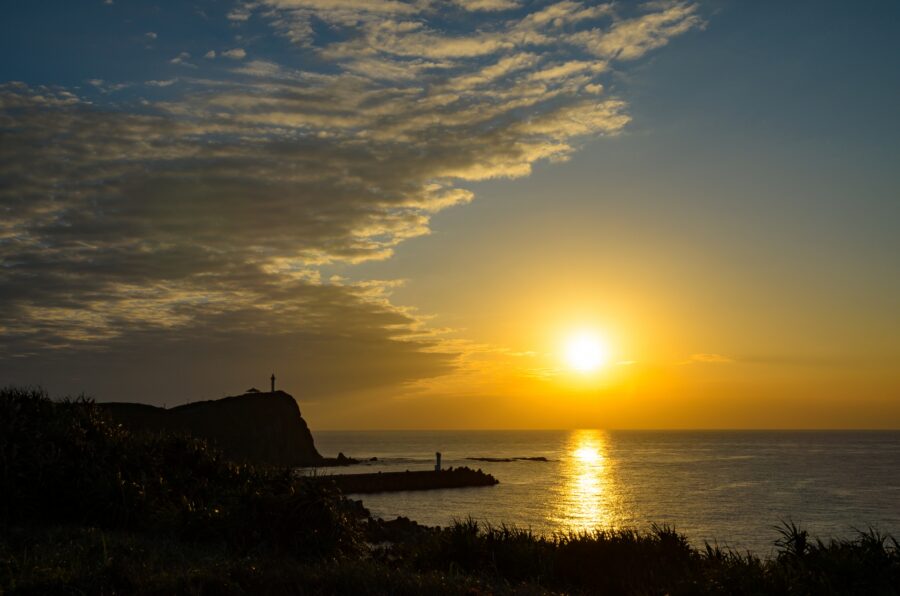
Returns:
(65, 462)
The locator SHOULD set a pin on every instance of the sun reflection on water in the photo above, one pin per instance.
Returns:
(589, 498)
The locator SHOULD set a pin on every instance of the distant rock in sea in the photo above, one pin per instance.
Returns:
(254, 427)
(507, 459)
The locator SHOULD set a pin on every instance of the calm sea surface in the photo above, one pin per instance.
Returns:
(729, 487)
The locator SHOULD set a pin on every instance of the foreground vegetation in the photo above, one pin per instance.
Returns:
(88, 508)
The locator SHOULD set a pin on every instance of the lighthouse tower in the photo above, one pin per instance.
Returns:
(273, 382)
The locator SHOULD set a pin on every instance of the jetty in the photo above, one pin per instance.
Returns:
(380, 482)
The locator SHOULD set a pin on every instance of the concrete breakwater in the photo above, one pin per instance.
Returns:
(400, 481)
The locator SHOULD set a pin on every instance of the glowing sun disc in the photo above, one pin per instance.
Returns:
(585, 352)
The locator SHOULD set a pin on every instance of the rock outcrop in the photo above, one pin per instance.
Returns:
(380, 482)
(255, 427)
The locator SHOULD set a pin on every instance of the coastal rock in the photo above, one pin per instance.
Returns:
(405, 481)
(254, 427)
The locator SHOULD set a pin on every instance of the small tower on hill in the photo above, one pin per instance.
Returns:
(273, 382)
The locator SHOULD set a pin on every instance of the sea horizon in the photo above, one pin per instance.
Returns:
(620, 429)
(725, 487)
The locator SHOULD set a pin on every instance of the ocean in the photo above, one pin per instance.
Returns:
(726, 487)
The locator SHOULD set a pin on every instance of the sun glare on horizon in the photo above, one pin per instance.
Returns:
(586, 352)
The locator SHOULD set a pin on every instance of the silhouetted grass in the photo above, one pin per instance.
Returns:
(661, 561)
(76, 560)
(88, 508)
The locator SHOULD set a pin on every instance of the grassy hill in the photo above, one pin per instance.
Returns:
(254, 427)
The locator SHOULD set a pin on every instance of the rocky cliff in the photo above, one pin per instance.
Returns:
(254, 427)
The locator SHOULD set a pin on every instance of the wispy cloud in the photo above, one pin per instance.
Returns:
(106, 86)
(487, 5)
(235, 53)
(707, 358)
(182, 60)
(240, 13)
(212, 212)
(162, 83)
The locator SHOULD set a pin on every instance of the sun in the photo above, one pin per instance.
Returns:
(586, 352)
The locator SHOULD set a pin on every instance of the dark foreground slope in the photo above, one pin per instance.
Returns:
(87, 507)
(254, 427)
(381, 482)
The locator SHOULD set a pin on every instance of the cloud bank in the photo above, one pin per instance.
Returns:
(206, 217)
